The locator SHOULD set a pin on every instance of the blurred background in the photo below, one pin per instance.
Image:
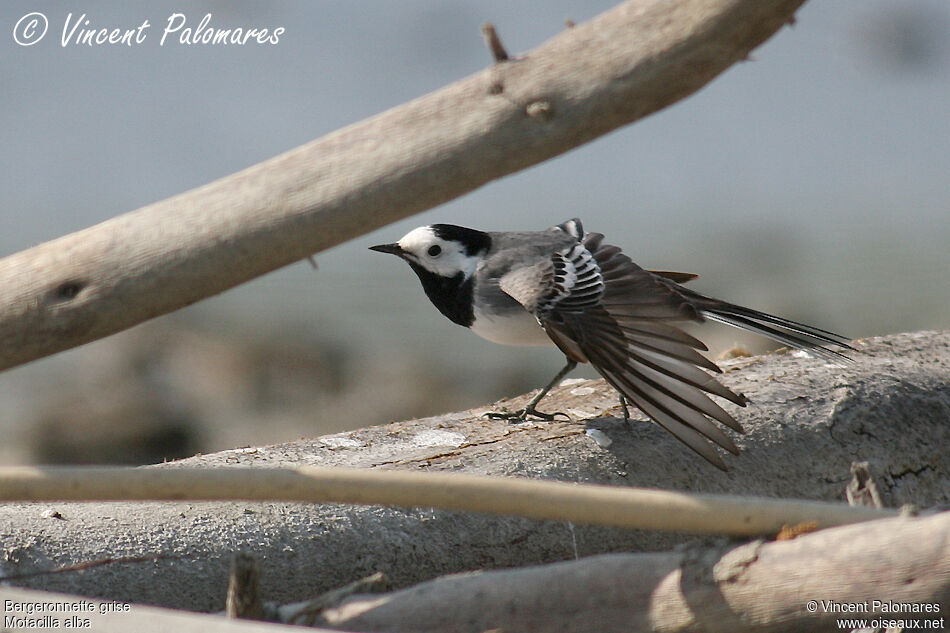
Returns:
(812, 182)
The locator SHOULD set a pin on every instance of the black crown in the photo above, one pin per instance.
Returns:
(473, 241)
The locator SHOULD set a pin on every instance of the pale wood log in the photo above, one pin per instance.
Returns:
(632, 60)
(755, 587)
(636, 508)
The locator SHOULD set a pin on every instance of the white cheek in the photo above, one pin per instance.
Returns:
(451, 264)
(436, 266)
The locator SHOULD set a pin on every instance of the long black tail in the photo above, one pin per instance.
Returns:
(813, 340)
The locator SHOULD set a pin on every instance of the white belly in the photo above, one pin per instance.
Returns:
(515, 328)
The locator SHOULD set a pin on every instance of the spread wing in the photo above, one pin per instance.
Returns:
(598, 306)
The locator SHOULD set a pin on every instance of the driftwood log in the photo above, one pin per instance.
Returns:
(803, 585)
(807, 423)
(631, 61)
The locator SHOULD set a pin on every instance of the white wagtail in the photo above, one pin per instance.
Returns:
(566, 288)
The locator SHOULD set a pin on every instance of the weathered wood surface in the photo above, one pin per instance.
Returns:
(807, 422)
(754, 587)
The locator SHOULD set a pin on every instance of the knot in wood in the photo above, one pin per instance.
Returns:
(540, 110)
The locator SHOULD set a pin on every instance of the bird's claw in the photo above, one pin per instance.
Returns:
(521, 415)
(624, 410)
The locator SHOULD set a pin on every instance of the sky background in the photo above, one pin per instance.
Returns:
(813, 181)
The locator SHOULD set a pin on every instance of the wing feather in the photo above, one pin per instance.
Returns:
(529, 285)
(599, 307)
(602, 307)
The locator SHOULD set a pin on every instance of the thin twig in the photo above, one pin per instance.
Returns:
(307, 613)
(493, 42)
(89, 565)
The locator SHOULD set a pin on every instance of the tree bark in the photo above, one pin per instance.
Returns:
(588, 80)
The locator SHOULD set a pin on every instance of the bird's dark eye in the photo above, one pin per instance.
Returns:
(434, 250)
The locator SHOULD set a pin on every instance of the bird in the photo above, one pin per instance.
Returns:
(570, 289)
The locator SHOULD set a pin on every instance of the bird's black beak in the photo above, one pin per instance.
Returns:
(392, 249)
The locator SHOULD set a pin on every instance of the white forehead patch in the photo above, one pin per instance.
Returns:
(418, 238)
(446, 258)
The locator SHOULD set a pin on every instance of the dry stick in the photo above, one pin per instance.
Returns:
(307, 613)
(244, 588)
(635, 59)
(639, 508)
(493, 42)
(89, 565)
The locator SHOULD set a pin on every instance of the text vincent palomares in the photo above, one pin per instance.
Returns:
(82, 31)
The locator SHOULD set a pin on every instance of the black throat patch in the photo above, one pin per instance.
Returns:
(451, 295)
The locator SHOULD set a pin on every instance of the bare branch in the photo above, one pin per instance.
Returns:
(633, 60)
(309, 612)
(640, 508)
(493, 42)
(244, 594)
(80, 567)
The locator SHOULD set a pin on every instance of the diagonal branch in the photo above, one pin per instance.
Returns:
(633, 60)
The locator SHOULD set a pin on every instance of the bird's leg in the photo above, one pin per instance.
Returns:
(623, 407)
(522, 414)
(530, 407)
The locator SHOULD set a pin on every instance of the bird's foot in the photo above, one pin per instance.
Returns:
(623, 407)
(521, 415)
